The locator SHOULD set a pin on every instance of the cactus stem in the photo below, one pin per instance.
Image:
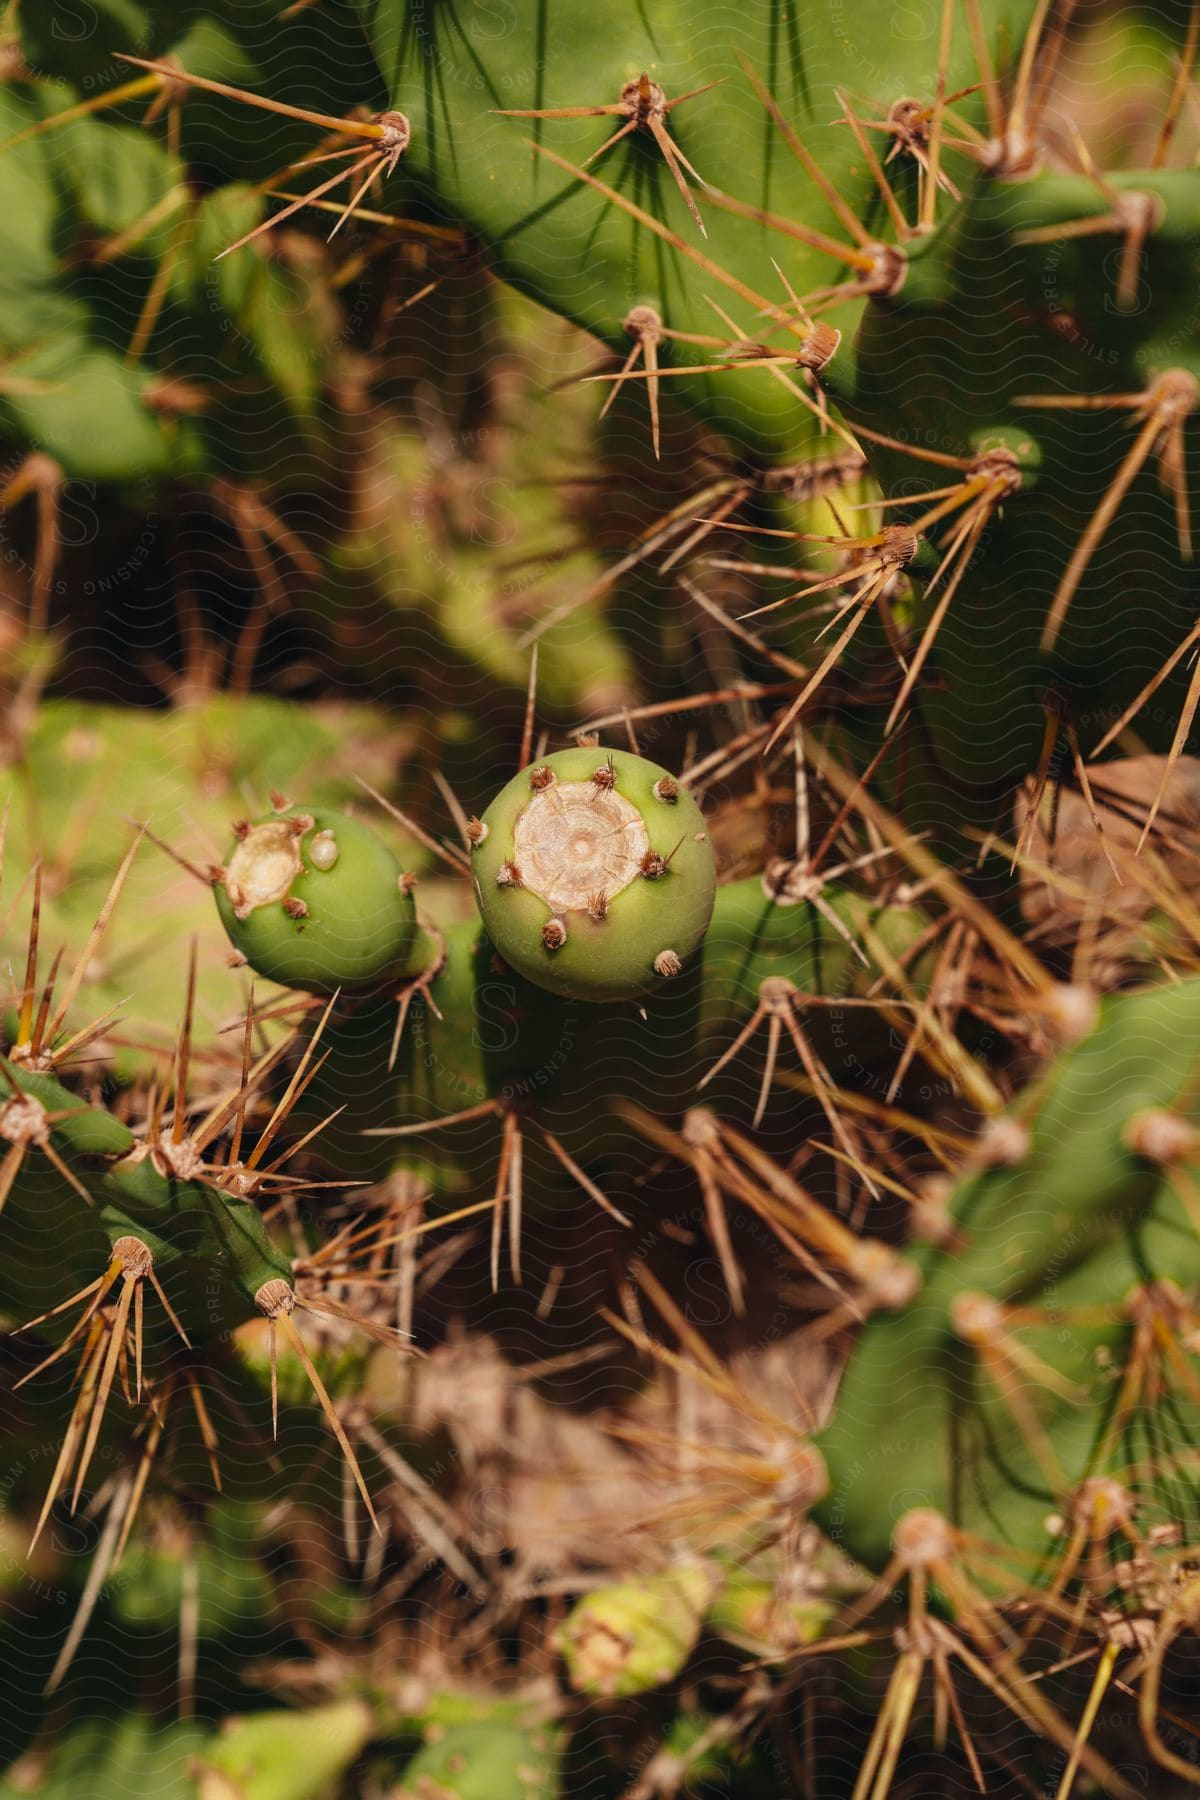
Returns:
(894, 210)
(1164, 407)
(977, 500)
(983, 1323)
(733, 282)
(1133, 215)
(875, 573)
(644, 106)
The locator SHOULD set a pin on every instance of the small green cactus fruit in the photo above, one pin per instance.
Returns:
(595, 874)
(313, 899)
(285, 1755)
(636, 1635)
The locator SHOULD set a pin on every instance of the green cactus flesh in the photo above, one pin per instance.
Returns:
(485, 1761)
(1052, 377)
(537, 216)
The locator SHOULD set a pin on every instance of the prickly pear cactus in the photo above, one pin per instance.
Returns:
(617, 1212)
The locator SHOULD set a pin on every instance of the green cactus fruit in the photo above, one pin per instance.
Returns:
(316, 900)
(84, 771)
(285, 1755)
(489, 1760)
(637, 1634)
(595, 874)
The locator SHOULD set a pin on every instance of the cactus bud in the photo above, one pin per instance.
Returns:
(316, 900)
(595, 874)
(637, 1635)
